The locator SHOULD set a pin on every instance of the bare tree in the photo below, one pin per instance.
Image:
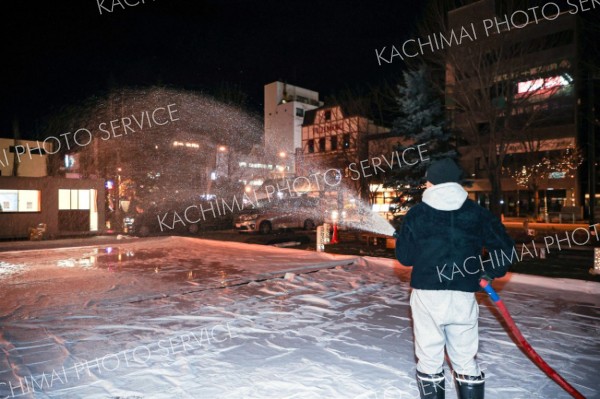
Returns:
(535, 166)
(493, 95)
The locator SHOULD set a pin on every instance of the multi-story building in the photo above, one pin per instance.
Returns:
(285, 109)
(527, 83)
(333, 138)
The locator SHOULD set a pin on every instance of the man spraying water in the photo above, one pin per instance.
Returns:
(442, 233)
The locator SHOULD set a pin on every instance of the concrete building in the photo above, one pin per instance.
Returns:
(285, 109)
(528, 82)
(30, 156)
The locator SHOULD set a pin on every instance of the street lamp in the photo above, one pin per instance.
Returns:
(118, 221)
(288, 160)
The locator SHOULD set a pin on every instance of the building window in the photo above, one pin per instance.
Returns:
(300, 112)
(311, 146)
(75, 199)
(69, 161)
(346, 143)
(322, 144)
(483, 128)
(327, 115)
(20, 201)
(334, 143)
(543, 87)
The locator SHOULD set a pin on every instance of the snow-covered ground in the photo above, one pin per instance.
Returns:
(190, 318)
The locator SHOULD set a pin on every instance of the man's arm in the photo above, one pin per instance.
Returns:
(499, 245)
(405, 243)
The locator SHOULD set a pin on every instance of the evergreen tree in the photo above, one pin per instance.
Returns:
(421, 121)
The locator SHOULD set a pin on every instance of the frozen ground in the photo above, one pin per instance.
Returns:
(190, 318)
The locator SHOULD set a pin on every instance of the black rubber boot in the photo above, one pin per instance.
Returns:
(469, 387)
(431, 386)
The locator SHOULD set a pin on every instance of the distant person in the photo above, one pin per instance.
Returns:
(442, 239)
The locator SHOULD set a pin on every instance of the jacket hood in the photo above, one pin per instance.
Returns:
(445, 196)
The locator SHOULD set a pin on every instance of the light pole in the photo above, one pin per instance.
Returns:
(289, 159)
(592, 147)
(283, 157)
(118, 221)
(223, 160)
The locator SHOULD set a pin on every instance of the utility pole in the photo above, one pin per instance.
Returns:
(592, 148)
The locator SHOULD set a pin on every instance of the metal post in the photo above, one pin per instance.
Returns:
(320, 239)
(326, 233)
(546, 206)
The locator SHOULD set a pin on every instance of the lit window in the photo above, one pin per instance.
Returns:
(75, 199)
(69, 161)
(20, 201)
(187, 145)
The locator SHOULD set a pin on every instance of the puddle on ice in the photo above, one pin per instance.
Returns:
(158, 263)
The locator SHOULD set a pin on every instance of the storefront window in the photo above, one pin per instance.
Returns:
(20, 201)
(74, 199)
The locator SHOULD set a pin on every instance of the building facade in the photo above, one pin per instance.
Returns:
(333, 138)
(285, 109)
(30, 157)
(29, 197)
(526, 83)
(66, 206)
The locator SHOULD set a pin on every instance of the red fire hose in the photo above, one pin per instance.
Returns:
(533, 355)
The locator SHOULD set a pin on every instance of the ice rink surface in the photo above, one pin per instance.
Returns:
(181, 317)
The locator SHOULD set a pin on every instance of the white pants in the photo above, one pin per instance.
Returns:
(445, 319)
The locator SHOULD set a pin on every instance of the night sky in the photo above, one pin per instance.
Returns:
(59, 53)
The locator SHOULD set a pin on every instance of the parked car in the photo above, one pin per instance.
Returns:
(288, 213)
(171, 219)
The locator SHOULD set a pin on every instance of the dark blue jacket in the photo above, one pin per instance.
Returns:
(445, 247)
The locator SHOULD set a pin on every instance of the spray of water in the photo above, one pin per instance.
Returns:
(371, 222)
(173, 161)
(164, 141)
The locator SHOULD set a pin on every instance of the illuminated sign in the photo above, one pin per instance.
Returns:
(187, 145)
(328, 128)
(542, 85)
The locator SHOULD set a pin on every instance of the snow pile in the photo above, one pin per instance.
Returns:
(8, 269)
